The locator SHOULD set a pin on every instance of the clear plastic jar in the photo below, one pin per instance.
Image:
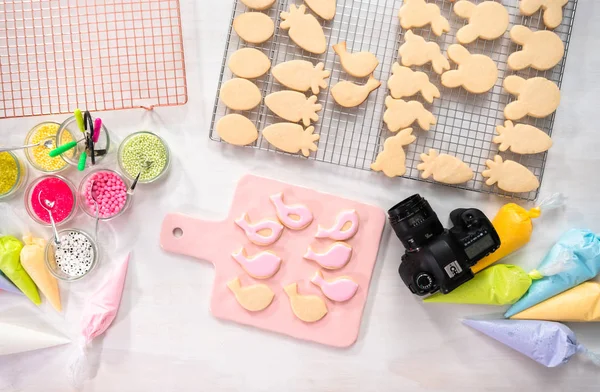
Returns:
(74, 258)
(84, 191)
(69, 126)
(38, 156)
(56, 189)
(139, 148)
(13, 174)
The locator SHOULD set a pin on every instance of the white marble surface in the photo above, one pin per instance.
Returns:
(164, 338)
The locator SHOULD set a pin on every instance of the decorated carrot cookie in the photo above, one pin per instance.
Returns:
(339, 289)
(263, 233)
(295, 217)
(344, 228)
(308, 308)
(260, 266)
(253, 298)
(337, 256)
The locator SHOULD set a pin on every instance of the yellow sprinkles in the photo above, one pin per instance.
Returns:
(39, 154)
(9, 172)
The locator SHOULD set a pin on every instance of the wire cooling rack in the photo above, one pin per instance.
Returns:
(56, 55)
(353, 137)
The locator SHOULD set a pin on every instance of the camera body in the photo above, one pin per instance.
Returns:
(437, 258)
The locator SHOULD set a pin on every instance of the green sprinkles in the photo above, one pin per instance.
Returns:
(141, 148)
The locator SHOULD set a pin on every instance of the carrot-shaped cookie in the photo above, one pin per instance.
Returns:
(416, 51)
(537, 97)
(510, 176)
(392, 160)
(552, 10)
(444, 168)
(301, 75)
(294, 106)
(405, 82)
(487, 20)
(401, 114)
(522, 138)
(349, 94)
(418, 13)
(304, 29)
(291, 138)
(541, 50)
(477, 73)
(359, 64)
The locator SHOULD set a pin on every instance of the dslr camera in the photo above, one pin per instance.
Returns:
(437, 258)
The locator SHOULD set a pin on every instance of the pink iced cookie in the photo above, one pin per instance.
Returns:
(344, 228)
(263, 233)
(339, 289)
(260, 266)
(295, 217)
(337, 256)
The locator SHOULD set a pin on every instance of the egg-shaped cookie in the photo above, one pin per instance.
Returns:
(236, 129)
(259, 5)
(254, 27)
(249, 63)
(240, 94)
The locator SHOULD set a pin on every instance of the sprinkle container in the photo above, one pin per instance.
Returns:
(13, 174)
(74, 258)
(56, 189)
(70, 127)
(38, 156)
(109, 188)
(139, 148)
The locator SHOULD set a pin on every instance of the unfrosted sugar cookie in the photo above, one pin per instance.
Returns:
(522, 138)
(416, 51)
(263, 233)
(295, 217)
(477, 73)
(445, 168)
(301, 75)
(292, 138)
(345, 227)
(308, 308)
(340, 289)
(262, 265)
(259, 5)
(349, 94)
(253, 298)
(552, 10)
(401, 114)
(240, 94)
(359, 64)
(304, 29)
(510, 176)
(254, 27)
(336, 257)
(418, 13)
(392, 160)
(249, 63)
(324, 8)
(487, 20)
(536, 97)
(294, 106)
(541, 50)
(405, 82)
(236, 129)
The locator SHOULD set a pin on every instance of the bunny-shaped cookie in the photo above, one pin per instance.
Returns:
(476, 73)
(405, 82)
(487, 20)
(392, 160)
(401, 114)
(416, 51)
(418, 13)
(552, 10)
(541, 50)
(510, 176)
(536, 97)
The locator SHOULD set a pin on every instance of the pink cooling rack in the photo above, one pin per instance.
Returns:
(56, 55)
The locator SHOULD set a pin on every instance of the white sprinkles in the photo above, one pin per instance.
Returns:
(75, 255)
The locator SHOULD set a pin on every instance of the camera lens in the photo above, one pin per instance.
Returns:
(424, 281)
(414, 222)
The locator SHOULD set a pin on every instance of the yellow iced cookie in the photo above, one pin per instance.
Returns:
(552, 10)
(349, 94)
(254, 27)
(240, 94)
(259, 5)
(536, 97)
(249, 63)
(418, 13)
(294, 106)
(487, 20)
(522, 138)
(476, 73)
(324, 8)
(254, 298)
(236, 129)
(416, 51)
(308, 308)
(401, 114)
(360, 64)
(541, 50)
(300, 75)
(510, 176)
(444, 168)
(392, 160)
(291, 138)
(405, 82)
(304, 29)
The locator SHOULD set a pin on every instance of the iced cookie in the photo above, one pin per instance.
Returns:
(249, 63)
(541, 50)
(392, 160)
(536, 97)
(263, 233)
(401, 114)
(345, 227)
(304, 29)
(324, 8)
(260, 266)
(240, 94)
(444, 168)
(337, 256)
(522, 138)
(236, 129)
(254, 27)
(418, 13)
(405, 82)
(476, 73)
(290, 137)
(360, 64)
(340, 289)
(416, 51)
(294, 106)
(488, 20)
(254, 298)
(308, 308)
(510, 176)
(552, 10)
(300, 75)
(259, 5)
(295, 217)
(349, 94)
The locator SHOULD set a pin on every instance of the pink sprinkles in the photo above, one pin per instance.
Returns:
(109, 191)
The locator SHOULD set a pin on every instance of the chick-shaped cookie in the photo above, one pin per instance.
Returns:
(552, 10)
(401, 114)
(358, 64)
(254, 297)
(304, 29)
(405, 82)
(522, 138)
(541, 50)
(392, 160)
(349, 94)
(416, 51)
(291, 138)
(487, 20)
(418, 13)
(294, 106)
(510, 176)
(537, 97)
(476, 73)
(308, 308)
(445, 168)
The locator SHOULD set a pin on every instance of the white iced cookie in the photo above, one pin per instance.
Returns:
(552, 10)
(392, 160)
(401, 114)
(445, 168)
(360, 64)
(294, 106)
(405, 82)
(291, 138)
(240, 94)
(259, 5)
(249, 63)
(541, 50)
(253, 298)
(488, 20)
(236, 129)
(349, 94)
(536, 97)
(254, 27)
(510, 176)
(301, 75)
(304, 29)
(324, 8)
(476, 73)
(418, 13)
(416, 51)
(522, 138)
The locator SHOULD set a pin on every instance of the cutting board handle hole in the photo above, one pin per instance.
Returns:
(177, 232)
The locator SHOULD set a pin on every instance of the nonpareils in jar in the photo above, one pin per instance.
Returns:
(108, 190)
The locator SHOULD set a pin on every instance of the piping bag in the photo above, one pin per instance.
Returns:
(98, 314)
(8, 286)
(548, 343)
(576, 257)
(514, 226)
(10, 265)
(32, 260)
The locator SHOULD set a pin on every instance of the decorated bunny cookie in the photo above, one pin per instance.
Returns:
(536, 97)
(392, 160)
(416, 51)
(487, 20)
(476, 73)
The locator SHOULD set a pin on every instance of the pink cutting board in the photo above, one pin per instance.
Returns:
(215, 241)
